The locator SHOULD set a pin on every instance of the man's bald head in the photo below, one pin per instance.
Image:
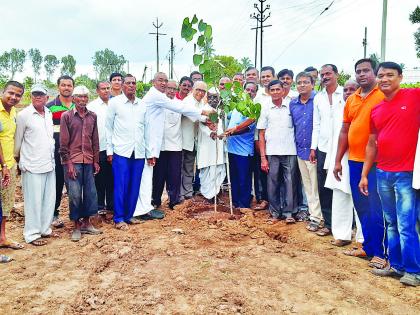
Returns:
(349, 88)
(199, 90)
(160, 80)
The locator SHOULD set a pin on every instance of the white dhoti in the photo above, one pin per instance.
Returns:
(211, 178)
(144, 202)
(39, 202)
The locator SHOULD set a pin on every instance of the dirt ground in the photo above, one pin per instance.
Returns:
(195, 262)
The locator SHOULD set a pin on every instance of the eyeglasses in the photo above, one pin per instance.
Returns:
(38, 94)
(303, 83)
(130, 83)
(171, 89)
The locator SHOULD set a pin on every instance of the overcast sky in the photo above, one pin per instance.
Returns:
(82, 27)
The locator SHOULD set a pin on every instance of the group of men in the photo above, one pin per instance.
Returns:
(338, 157)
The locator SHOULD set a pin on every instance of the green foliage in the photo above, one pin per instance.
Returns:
(142, 88)
(376, 59)
(36, 60)
(343, 77)
(215, 67)
(415, 15)
(68, 65)
(410, 85)
(86, 81)
(106, 62)
(245, 63)
(50, 64)
(12, 62)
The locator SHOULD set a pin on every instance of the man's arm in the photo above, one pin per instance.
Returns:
(20, 129)
(239, 129)
(264, 161)
(370, 157)
(187, 109)
(343, 144)
(316, 126)
(95, 147)
(109, 131)
(64, 147)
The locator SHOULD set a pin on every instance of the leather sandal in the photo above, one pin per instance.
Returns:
(359, 252)
(323, 232)
(340, 243)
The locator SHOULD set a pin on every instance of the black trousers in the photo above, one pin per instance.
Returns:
(59, 174)
(104, 182)
(167, 170)
(325, 194)
(260, 179)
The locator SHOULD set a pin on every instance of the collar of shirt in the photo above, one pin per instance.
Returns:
(272, 105)
(338, 90)
(358, 92)
(126, 100)
(297, 99)
(12, 110)
(34, 111)
(88, 112)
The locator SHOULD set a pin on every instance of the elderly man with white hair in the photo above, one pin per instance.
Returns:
(210, 152)
(79, 151)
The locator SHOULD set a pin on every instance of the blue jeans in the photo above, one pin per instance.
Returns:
(83, 201)
(369, 210)
(241, 181)
(398, 200)
(127, 177)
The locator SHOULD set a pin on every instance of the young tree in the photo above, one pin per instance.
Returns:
(4, 63)
(68, 65)
(17, 59)
(106, 61)
(245, 63)
(222, 66)
(50, 64)
(36, 59)
(415, 19)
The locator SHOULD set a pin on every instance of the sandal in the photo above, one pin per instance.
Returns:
(340, 243)
(39, 242)
(323, 232)
(53, 234)
(355, 252)
(121, 226)
(290, 220)
(12, 245)
(5, 259)
(57, 223)
(377, 262)
(312, 227)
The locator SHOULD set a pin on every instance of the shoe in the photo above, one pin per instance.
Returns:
(76, 235)
(410, 279)
(173, 205)
(90, 230)
(340, 243)
(57, 222)
(387, 272)
(153, 215)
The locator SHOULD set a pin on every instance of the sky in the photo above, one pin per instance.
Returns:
(299, 35)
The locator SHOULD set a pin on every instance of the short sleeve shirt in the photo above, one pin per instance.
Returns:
(396, 123)
(7, 135)
(357, 114)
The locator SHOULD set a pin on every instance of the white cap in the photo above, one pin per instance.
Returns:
(80, 90)
(213, 90)
(39, 88)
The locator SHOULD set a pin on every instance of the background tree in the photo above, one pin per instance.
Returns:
(245, 63)
(68, 65)
(4, 64)
(86, 81)
(415, 19)
(106, 61)
(50, 64)
(375, 58)
(343, 77)
(17, 60)
(222, 66)
(36, 60)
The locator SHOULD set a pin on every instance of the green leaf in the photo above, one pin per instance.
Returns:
(194, 19)
(213, 117)
(202, 26)
(197, 58)
(186, 21)
(228, 86)
(203, 67)
(201, 41)
(225, 93)
(208, 31)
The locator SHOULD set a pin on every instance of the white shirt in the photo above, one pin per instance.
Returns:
(279, 131)
(323, 117)
(291, 95)
(189, 127)
(34, 142)
(125, 127)
(99, 107)
(263, 98)
(172, 135)
(416, 171)
(156, 102)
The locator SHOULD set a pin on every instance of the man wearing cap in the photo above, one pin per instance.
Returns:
(34, 150)
(79, 151)
(62, 103)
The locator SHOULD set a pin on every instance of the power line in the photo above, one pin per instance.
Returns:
(261, 17)
(157, 26)
(304, 31)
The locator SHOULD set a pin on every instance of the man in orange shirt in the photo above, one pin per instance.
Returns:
(354, 137)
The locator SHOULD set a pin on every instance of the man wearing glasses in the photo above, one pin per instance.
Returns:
(185, 86)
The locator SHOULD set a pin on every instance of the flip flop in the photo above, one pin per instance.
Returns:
(377, 262)
(121, 226)
(290, 220)
(39, 242)
(12, 245)
(359, 252)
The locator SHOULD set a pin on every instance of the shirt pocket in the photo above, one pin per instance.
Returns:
(172, 118)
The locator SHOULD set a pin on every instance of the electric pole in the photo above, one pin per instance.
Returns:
(157, 26)
(171, 67)
(261, 18)
(383, 37)
(364, 42)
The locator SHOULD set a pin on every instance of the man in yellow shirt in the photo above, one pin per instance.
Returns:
(12, 95)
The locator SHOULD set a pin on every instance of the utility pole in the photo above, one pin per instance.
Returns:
(157, 26)
(171, 62)
(364, 43)
(383, 37)
(128, 66)
(261, 18)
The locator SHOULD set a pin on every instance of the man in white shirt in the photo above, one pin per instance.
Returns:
(168, 167)
(278, 154)
(126, 150)
(189, 139)
(104, 180)
(286, 76)
(156, 102)
(34, 150)
(327, 104)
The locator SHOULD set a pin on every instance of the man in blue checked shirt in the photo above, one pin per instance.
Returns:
(301, 109)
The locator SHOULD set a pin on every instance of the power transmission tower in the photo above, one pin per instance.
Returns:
(364, 42)
(261, 17)
(157, 26)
